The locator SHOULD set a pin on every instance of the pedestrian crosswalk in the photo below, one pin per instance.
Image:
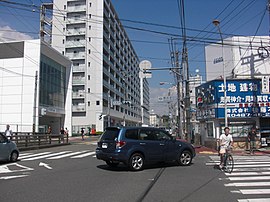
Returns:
(56, 155)
(250, 177)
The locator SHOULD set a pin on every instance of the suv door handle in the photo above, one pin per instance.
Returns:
(142, 143)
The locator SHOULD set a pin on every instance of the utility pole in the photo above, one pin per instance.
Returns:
(179, 93)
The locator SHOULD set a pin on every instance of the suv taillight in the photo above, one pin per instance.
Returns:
(120, 144)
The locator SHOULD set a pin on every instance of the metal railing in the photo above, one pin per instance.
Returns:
(38, 140)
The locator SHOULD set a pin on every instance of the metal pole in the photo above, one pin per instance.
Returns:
(35, 103)
(216, 23)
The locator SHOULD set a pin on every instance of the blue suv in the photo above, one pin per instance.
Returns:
(136, 146)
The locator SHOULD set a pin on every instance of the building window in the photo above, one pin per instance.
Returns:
(88, 77)
(64, 18)
(63, 53)
(88, 90)
(90, 16)
(90, 4)
(88, 104)
(89, 27)
(89, 64)
(64, 29)
(65, 7)
(97, 102)
(89, 51)
(63, 41)
(89, 39)
(75, 51)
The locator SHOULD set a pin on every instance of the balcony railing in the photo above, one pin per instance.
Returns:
(70, 44)
(78, 80)
(80, 68)
(81, 8)
(75, 55)
(78, 108)
(78, 94)
(71, 32)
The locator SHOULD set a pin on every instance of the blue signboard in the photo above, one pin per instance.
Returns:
(244, 99)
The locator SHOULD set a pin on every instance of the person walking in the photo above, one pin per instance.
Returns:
(252, 140)
(8, 132)
(82, 133)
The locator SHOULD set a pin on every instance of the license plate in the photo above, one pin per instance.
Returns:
(104, 145)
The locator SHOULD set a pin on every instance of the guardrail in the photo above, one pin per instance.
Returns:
(38, 140)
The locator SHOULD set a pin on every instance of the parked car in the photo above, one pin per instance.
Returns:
(8, 149)
(136, 146)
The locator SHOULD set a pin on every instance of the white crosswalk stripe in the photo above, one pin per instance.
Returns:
(56, 155)
(83, 155)
(250, 177)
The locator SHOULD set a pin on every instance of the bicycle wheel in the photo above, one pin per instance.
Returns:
(229, 164)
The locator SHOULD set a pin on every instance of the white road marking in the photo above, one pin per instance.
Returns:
(12, 177)
(83, 155)
(254, 200)
(66, 155)
(247, 173)
(255, 191)
(45, 156)
(5, 168)
(249, 178)
(248, 184)
(33, 155)
(45, 165)
(250, 169)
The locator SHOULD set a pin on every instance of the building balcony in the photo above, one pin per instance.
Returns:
(78, 108)
(76, 9)
(71, 32)
(78, 94)
(71, 44)
(80, 68)
(78, 81)
(78, 20)
(75, 56)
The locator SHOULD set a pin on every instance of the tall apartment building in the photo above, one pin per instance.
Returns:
(106, 83)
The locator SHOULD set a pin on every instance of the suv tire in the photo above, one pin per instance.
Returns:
(185, 158)
(136, 162)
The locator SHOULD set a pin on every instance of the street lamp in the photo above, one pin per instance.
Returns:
(216, 23)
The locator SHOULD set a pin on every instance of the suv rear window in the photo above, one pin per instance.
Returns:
(110, 134)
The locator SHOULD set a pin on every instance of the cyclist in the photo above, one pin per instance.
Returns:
(225, 142)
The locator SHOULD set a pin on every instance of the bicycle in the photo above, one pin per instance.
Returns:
(228, 163)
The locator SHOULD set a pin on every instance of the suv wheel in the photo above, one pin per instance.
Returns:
(136, 162)
(185, 158)
(14, 156)
(112, 163)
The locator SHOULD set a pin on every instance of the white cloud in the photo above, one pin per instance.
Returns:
(9, 34)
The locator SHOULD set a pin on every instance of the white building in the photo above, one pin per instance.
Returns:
(106, 84)
(244, 57)
(35, 87)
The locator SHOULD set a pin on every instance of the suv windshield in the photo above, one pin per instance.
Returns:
(110, 134)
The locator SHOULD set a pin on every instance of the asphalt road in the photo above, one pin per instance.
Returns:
(72, 173)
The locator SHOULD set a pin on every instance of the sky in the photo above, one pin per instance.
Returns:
(151, 26)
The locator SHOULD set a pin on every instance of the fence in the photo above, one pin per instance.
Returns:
(38, 140)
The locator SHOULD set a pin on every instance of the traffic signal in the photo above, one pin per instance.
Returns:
(199, 101)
